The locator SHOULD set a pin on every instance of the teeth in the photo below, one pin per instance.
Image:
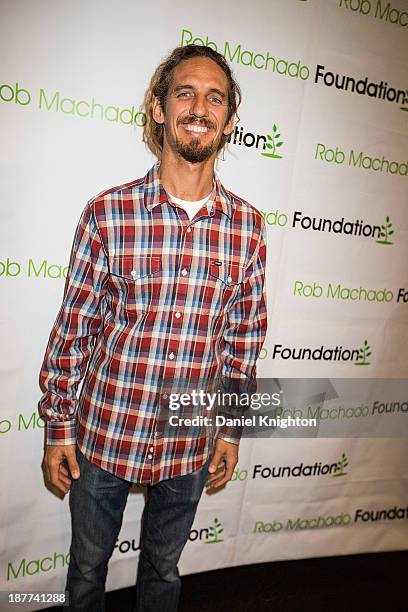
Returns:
(196, 128)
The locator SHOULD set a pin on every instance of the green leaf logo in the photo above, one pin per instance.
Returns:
(363, 354)
(214, 532)
(273, 143)
(341, 464)
(385, 232)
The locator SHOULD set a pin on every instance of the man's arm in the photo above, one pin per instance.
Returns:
(245, 333)
(73, 335)
(243, 340)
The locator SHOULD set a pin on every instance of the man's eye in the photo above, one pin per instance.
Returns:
(183, 94)
(216, 100)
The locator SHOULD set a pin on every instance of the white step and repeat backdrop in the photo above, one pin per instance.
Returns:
(325, 85)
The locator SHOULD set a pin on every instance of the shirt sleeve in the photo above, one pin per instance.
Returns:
(244, 336)
(74, 332)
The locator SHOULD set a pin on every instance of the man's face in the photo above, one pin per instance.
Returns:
(195, 116)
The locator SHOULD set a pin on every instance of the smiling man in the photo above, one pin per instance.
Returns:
(166, 282)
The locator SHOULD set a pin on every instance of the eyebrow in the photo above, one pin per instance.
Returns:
(212, 90)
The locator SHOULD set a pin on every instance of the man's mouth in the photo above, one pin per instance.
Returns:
(196, 128)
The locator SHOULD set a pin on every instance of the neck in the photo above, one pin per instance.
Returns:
(185, 180)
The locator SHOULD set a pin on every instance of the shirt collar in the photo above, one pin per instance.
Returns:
(155, 194)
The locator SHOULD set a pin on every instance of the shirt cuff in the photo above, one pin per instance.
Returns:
(61, 433)
(230, 434)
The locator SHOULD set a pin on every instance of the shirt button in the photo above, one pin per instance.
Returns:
(151, 449)
(189, 230)
(229, 279)
(184, 272)
(172, 356)
(165, 396)
(177, 315)
(133, 272)
(150, 456)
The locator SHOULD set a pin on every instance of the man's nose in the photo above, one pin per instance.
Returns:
(199, 106)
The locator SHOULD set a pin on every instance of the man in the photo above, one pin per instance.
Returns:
(166, 282)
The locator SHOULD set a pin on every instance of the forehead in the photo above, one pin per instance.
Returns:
(200, 71)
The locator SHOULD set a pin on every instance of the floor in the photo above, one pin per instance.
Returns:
(368, 582)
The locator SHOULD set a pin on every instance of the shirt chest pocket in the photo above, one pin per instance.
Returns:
(223, 283)
(137, 279)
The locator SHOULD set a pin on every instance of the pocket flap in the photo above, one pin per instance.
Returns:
(229, 273)
(134, 267)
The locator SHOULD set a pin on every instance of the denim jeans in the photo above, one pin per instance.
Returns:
(97, 501)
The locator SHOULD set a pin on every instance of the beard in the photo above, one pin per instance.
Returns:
(194, 152)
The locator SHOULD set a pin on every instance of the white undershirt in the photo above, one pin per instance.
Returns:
(190, 206)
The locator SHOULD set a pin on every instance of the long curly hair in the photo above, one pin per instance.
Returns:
(159, 88)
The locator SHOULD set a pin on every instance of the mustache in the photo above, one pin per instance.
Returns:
(196, 120)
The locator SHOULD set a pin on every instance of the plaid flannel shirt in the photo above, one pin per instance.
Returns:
(151, 296)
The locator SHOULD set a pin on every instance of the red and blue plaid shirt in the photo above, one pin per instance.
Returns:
(150, 296)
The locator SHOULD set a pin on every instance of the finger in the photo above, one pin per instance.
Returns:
(73, 465)
(230, 466)
(215, 460)
(220, 468)
(64, 470)
(218, 474)
(64, 476)
(215, 484)
(216, 478)
(54, 477)
(65, 483)
(226, 477)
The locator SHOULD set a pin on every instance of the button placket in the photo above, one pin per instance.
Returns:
(178, 315)
(184, 267)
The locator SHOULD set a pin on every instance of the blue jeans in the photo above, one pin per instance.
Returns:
(97, 501)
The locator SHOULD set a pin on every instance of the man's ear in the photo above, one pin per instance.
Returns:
(229, 126)
(158, 114)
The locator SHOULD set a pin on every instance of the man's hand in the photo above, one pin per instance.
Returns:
(56, 472)
(223, 462)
